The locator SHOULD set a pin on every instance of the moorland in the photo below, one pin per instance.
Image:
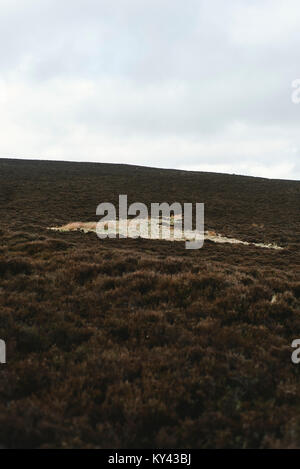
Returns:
(135, 343)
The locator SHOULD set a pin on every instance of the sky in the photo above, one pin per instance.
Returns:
(197, 85)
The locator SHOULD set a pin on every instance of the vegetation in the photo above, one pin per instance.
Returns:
(138, 343)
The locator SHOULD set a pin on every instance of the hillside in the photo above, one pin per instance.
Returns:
(140, 343)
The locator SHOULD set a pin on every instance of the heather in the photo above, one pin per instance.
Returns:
(141, 343)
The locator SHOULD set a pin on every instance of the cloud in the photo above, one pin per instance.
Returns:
(200, 86)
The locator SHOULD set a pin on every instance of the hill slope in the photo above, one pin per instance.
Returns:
(140, 343)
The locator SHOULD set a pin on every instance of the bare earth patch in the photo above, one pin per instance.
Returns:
(145, 232)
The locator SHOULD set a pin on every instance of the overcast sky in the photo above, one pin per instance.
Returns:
(191, 84)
